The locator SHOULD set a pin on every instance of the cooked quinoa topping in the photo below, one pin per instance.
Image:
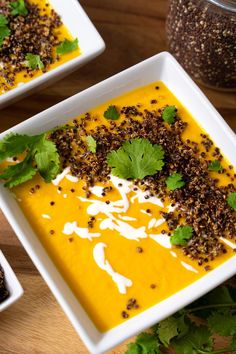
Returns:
(201, 202)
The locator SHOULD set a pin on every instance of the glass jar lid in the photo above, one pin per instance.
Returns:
(225, 4)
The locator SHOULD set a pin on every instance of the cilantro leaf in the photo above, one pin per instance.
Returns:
(47, 159)
(92, 144)
(215, 166)
(112, 113)
(3, 20)
(19, 173)
(181, 235)
(223, 323)
(233, 344)
(231, 200)
(175, 181)
(197, 340)
(136, 158)
(67, 46)
(4, 30)
(170, 328)
(19, 8)
(133, 348)
(14, 144)
(34, 61)
(146, 343)
(41, 156)
(168, 114)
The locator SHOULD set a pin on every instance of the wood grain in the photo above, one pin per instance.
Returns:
(133, 31)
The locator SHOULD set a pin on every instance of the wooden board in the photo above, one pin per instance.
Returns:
(133, 31)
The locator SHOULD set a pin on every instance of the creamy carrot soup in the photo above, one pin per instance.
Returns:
(124, 243)
(33, 40)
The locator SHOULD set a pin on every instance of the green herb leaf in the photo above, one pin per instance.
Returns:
(168, 114)
(19, 173)
(223, 323)
(172, 327)
(231, 200)
(136, 158)
(215, 166)
(19, 8)
(4, 30)
(67, 46)
(46, 158)
(34, 61)
(175, 181)
(112, 113)
(233, 344)
(3, 20)
(146, 343)
(181, 235)
(14, 144)
(133, 348)
(92, 144)
(197, 340)
(41, 156)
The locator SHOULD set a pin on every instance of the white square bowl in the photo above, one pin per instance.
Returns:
(12, 284)
(90, 42)
(160, 67)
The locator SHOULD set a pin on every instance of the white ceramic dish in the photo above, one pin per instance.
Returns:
(12, 283)
(160, 67)
(90, 42)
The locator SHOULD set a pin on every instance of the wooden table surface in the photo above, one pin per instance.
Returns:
(133, 31)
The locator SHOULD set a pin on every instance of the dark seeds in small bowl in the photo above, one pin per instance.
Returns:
(4, 293)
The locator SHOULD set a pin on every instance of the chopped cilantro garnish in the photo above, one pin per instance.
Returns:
(231, 200)
(112, 113)
(168, 114)
(4, 30)
(67, 46)
(92, 144)
(34, 61)
(181, 235)
(215, 166)
(41, 156)
(136, 158)
(19, 8)
(175, 181)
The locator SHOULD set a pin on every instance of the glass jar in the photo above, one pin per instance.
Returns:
(202, 36)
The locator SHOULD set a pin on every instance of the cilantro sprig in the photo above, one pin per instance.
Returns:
(92, 144)
(19, 8)
(40, 156)
(181, 235)
(34, 61)
(182, 332)
(4, 29)
(136, 158)
(215, 166)
(67, 46)
(112, 113)
(169, 114)
(231, 200)
(175, 181)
